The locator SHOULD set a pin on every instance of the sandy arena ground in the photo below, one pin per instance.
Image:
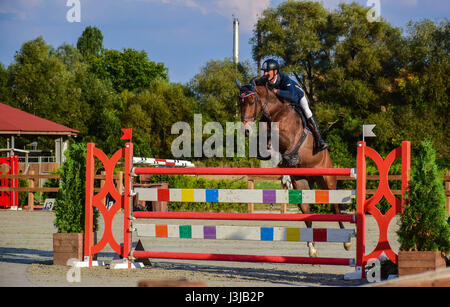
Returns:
(26, 258)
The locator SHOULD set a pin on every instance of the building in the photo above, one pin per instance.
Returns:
(15, 123)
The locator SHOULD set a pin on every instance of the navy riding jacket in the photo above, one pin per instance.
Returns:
(288, 89)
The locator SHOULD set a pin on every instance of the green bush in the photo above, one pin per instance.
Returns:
(424, 222)
(23, 196)
(70, 199)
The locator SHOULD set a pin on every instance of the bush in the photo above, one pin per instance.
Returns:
(423, 225)
(70, 199)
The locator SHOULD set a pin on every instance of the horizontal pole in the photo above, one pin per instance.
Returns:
(248, 233)
(256, 196)
(243, 258)
(246, 216)
(245, 171)
(29, 190)
(35, 177)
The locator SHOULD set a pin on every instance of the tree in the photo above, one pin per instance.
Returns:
(42, 84)
(424, 221)
(128, 70)
(365, 63)
(5, 91)
(423, 84)
(152, 112)
(301, 35)
(90, 42)
(215, 88)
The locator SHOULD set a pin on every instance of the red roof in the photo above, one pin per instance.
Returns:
(15, 121)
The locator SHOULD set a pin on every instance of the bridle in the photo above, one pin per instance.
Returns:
(244, 95)
(253, 117)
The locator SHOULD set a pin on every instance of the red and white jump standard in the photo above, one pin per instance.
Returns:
(364, 206)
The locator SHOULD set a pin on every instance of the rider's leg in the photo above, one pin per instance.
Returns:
(313, 125)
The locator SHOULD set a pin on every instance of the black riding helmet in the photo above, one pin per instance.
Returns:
(270, 64)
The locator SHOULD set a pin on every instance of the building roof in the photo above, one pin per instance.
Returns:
(17, 122)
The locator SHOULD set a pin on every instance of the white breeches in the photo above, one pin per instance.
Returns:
(305, 106)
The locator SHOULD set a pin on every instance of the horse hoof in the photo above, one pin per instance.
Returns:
(348, 246)
(312, 250)
(313, 253)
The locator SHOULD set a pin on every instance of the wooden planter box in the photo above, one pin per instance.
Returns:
(419, 262)
(67, 246)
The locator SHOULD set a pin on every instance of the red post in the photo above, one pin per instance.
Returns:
(127, 201)
(406, 174)
(89, 209)
(360, 206)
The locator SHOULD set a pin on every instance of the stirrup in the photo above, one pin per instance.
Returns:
(322, 145)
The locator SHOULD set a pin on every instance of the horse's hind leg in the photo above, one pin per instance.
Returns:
(303, 184)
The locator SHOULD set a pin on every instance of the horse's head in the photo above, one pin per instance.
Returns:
(249, 104)
(254, 98)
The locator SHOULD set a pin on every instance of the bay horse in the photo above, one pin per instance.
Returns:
(296, 143)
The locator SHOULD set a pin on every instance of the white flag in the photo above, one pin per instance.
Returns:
(367, 131)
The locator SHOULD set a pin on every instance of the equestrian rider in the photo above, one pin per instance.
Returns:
(285, 88)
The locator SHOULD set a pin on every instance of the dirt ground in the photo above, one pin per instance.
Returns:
(26, 258)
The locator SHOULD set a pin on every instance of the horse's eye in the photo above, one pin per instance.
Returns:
(252, 102)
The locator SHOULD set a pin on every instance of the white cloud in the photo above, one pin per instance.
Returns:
(246, 10)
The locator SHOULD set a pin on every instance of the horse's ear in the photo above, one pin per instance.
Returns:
(262, 81)
(253, 84)
(238, 84)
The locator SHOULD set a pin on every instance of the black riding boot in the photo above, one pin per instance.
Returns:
(318, 141)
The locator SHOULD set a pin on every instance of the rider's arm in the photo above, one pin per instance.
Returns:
(290, 92)
(288, 89)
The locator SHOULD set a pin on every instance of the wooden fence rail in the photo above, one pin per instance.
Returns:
(33, 179)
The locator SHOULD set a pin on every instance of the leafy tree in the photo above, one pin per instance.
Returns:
(128, 70)
(90, 42)
(43, 85)
(301, 35)
(366, 62)
(215, 88)
(151, 114)
(423, 85)
(5, 91)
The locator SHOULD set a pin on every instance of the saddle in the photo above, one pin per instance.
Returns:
(291, 159)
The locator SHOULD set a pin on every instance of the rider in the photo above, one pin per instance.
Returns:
(285, 88)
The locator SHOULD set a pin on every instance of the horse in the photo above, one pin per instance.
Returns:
(296, 143)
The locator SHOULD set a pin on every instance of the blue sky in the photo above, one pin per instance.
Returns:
(183, 34)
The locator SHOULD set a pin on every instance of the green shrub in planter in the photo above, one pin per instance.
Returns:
(424, 222)
(70, 199)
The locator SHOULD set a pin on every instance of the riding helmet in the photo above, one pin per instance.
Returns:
(270, 64)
